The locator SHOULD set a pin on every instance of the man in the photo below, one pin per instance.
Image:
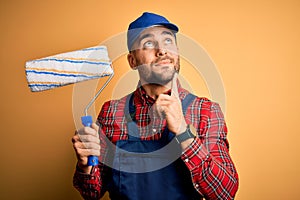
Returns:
(160, 142)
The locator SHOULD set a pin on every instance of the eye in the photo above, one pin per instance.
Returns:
(168, 41)
(149, 44)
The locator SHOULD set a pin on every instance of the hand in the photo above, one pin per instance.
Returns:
(86, 142)
(170, 108)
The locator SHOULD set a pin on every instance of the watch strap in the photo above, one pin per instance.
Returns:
(187, 134)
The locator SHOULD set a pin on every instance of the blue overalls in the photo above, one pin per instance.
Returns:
(150, 169)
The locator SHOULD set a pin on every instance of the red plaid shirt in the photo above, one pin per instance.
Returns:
(212, 170)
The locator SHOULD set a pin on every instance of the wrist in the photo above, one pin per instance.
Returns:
(187, 134)
(84, 168)
(182, 128)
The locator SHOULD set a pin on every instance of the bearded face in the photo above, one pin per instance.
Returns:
(155, 55)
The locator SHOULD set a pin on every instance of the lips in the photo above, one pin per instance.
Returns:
(164, 61)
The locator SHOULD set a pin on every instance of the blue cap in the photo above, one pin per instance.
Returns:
(145, 21)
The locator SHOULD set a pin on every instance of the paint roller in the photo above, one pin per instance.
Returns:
(68, 68)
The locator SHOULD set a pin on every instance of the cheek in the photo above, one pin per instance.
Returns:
(146, 59)
(177, 64)
(173, 52)
(172, 49)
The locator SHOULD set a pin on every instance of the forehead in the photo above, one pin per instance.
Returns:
(155, 31)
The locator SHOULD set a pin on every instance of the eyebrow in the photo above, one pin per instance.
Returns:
(145, 36)
(168, 33)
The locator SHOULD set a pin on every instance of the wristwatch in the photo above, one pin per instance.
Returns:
(187, 134)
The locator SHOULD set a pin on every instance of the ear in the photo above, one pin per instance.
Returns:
(131, 60)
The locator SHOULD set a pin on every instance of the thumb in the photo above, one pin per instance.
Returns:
(95, 126)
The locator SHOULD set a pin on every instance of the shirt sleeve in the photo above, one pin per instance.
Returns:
(94, 185)
(213, 172)
(89, 185)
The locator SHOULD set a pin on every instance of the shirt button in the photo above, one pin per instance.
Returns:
(186, 160)
(196, 185)
(154, 130)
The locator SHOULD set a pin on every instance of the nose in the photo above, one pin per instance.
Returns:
(161, 52)
(160, 49)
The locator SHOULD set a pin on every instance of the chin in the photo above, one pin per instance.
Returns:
(160, 79)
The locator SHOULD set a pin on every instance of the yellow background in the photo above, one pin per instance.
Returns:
(254, 44)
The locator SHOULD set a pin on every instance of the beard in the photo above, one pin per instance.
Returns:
(156, 78)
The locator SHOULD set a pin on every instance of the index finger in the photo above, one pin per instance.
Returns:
(174, 89)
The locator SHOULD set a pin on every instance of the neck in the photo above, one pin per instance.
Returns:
(153, 90)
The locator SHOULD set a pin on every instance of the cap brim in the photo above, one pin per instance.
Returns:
(170, 26)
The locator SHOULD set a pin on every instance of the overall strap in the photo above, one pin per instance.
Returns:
(130, 110)
(186, 102)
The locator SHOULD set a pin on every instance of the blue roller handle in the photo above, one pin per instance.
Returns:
(87, 121)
